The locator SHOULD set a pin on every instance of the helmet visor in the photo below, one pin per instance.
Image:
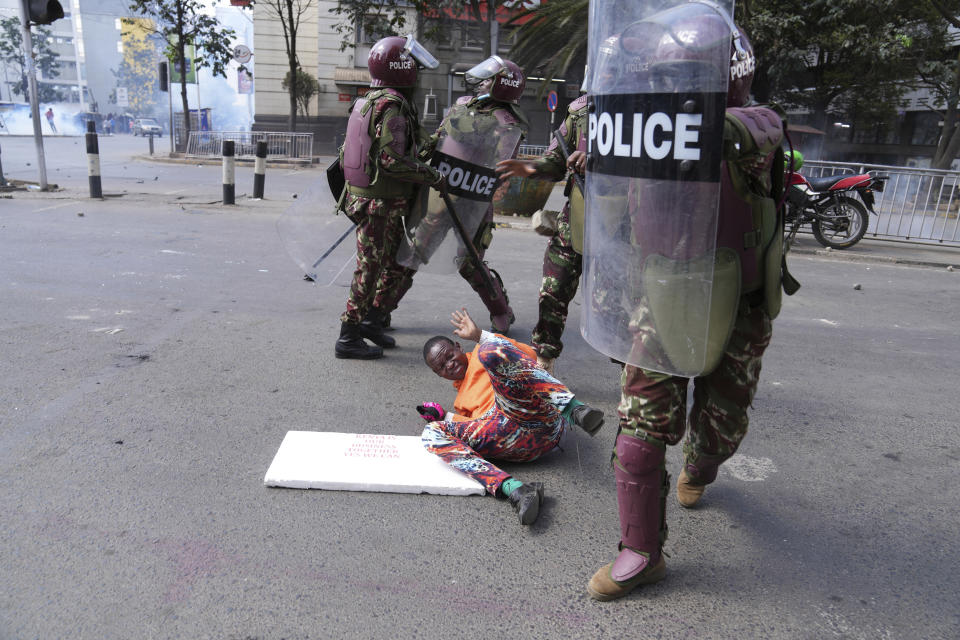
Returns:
(419, 53)
(486, 69)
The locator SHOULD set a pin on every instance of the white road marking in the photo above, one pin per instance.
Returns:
(750, 469)
(54, 206)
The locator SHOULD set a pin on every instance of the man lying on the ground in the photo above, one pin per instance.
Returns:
(507, 408)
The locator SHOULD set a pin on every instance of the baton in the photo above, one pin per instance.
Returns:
(577, 178)
(332, 247)
(472, 250)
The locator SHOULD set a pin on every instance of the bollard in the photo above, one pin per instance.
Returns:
(93, 160)
(151, 143)
(260, 170)
(3, 181)
(229, 165)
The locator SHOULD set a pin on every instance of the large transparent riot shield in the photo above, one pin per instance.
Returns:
(470, 145)
(658, 83)
(322, 244)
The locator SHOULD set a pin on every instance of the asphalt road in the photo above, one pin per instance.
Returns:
(155, 349)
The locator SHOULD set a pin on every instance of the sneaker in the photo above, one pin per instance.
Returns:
(526, 500)
(588, 418)
(688, 494)
(603, 587)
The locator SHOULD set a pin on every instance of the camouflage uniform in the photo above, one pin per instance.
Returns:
(378, 209)
(562, 264)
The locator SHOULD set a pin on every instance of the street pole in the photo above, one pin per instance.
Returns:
(32, 83)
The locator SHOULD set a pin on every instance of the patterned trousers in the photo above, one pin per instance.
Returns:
(653, 405)
(378, 238)
(524, 423)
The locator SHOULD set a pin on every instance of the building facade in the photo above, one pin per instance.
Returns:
(342, 75)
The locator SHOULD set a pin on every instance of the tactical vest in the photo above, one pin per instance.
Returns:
(360, 152)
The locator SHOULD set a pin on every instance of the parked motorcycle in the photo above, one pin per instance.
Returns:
(837, 218)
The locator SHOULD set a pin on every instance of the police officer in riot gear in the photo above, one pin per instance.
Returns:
(477, 126)
(382, 171)
(686, 44)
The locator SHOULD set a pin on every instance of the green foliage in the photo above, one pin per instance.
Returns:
(44, 57)
(554, 40)
(306, 87)
(840, 58)
(183, 23)
(138, 69)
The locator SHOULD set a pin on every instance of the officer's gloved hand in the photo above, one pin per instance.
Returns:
(431, 411)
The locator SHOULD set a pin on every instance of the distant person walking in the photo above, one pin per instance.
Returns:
(49, 115)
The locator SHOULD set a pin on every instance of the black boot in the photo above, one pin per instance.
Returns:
(351, 344)
(371, 328)
(526, 500)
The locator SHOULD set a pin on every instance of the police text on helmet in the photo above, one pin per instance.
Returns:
(404, 63)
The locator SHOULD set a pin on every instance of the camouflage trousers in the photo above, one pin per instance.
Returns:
(562, 267)
(653, 405)
(378, 237)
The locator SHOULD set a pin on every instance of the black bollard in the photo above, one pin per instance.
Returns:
(3, 181)
(151, 143)
(229, 165)
(260, 170)
(93, 160)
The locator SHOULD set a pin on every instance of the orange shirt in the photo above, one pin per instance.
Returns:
(475, 392)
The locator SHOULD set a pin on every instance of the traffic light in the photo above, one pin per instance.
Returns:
(44, 11)
(163, 76)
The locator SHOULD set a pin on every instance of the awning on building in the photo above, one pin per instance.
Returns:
(802, 128)
(351, 75)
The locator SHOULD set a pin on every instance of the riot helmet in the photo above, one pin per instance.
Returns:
(690, 47)
(508, 79)
(393, 62)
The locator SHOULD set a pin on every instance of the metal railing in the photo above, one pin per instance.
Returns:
(917, 205)
(280, 146)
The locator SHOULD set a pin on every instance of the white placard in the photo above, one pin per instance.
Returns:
(364, 462)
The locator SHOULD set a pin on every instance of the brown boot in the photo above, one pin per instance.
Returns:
(688, 494)
(604, 587)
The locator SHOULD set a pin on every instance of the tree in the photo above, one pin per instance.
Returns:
(942, 76)
(289, 13)
(838, 58)
(553, 37)
(183, 23)
(138, 69)
(44, 57)
(306, 87)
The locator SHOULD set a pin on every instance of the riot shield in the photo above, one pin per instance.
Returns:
(322, 244)
(658, 80)
(470, 145)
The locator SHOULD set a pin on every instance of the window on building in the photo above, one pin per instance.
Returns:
(507, 38)
(926, 128)
(473, 35)
(438, 32)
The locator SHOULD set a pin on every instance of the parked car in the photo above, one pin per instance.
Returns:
(146, 126)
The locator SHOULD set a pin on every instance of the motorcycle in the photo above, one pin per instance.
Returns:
(838, 219)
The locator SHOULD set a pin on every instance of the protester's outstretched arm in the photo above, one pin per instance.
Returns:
(464, 326)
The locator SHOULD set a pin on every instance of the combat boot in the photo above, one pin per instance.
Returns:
(695, 477)
(351, 344)
(371, 328)
(642, 485)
